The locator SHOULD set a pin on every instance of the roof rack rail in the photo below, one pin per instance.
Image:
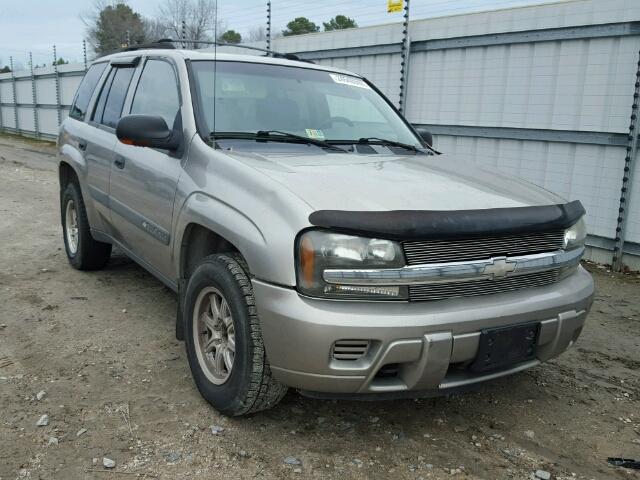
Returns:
(287, 56)
(144, 46)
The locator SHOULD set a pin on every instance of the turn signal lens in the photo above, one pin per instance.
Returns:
(307, 261)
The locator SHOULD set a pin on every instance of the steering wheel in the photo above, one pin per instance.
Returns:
(332, 120)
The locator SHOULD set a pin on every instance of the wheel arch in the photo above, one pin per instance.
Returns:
(220, 226)
(66, 173)
(199, 241)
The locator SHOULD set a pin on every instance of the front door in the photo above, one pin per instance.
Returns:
(96, 145)
(144, 180)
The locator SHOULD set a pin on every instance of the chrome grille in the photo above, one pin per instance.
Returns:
(349, 349)
(442, 251)
(441, 291)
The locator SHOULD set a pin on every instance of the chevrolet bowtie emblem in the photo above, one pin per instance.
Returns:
(499, 268)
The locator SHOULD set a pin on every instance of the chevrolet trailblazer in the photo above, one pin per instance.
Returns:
(314, 237)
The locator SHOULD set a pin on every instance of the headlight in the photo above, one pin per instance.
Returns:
(319, 250)
(575, 235)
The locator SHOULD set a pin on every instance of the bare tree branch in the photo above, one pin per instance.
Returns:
(199, 17)
(257, 34)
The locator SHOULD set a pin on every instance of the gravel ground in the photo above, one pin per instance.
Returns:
(96, 353)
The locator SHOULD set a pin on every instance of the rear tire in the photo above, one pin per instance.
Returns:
(224, 341)
(83, 252)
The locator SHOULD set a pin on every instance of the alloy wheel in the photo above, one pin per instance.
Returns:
(71, 227)
(214, 335)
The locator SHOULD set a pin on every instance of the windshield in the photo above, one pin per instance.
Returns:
(254, 97)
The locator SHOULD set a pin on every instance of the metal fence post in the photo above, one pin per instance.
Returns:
(57, 78)
(1, 121)
(84, 54)
(128, 38)
(268, 39)
(15, 98)
(34, 98)
(629, 161)
(404, 59)
(183, 34)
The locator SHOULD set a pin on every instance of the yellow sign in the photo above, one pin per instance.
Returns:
(394, 6)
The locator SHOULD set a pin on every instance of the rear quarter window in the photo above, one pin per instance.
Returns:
(85, 91)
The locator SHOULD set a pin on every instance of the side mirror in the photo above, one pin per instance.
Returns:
(425, 134)
(147, 131)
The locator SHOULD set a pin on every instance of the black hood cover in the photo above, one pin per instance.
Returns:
(443, 224)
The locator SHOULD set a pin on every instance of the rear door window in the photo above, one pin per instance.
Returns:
(109, 108)
(117, 94)
(102, 99)
(85, 90)
(157, 92)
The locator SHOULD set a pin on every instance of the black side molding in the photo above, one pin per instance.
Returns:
(443, 224)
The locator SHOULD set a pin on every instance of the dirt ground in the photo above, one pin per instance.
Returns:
(101, 346)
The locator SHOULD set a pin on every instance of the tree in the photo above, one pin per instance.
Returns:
(113, 25)
(60, 61)
(5, 69)
(230, 36)
(155, 29)
(300, 26)
(339, 22)
(198, 17)
(257, 34)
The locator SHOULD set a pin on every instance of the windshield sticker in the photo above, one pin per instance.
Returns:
(234, 86)
(315, 134)
(349, 80)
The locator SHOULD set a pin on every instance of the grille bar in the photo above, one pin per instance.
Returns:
(484, 287)
(441, 251)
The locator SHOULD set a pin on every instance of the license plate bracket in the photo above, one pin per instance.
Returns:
(505, 346)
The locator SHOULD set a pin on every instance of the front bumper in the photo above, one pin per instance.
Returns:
(429, 342)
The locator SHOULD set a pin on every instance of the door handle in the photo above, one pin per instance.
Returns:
(82, 145)
(119, 161)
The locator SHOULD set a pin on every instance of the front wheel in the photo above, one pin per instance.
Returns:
(223, 339)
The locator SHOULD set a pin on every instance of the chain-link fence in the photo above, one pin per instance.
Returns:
(547, 92)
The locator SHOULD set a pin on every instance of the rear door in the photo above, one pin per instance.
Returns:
(101, 139)
(144, 180)
(84, 138)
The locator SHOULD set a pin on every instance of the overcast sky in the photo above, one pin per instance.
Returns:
(35, 25)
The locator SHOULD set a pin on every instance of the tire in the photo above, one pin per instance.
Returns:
(83, 252)
(249, 385)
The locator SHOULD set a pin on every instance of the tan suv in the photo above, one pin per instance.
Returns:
(314, 237)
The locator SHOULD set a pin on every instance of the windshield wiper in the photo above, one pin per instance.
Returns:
(277, 136)
(392, 143)
(312, 141)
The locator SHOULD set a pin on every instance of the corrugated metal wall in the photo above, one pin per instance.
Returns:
(543, 92)
(44, 82)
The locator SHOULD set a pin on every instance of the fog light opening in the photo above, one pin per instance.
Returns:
(390, 370)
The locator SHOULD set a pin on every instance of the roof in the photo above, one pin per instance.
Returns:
(210, 54)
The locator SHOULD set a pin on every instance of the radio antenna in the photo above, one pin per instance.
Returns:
(215, 63)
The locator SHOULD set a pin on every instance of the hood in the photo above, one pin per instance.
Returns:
(329, 181)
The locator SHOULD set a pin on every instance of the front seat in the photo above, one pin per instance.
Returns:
(278, 114)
